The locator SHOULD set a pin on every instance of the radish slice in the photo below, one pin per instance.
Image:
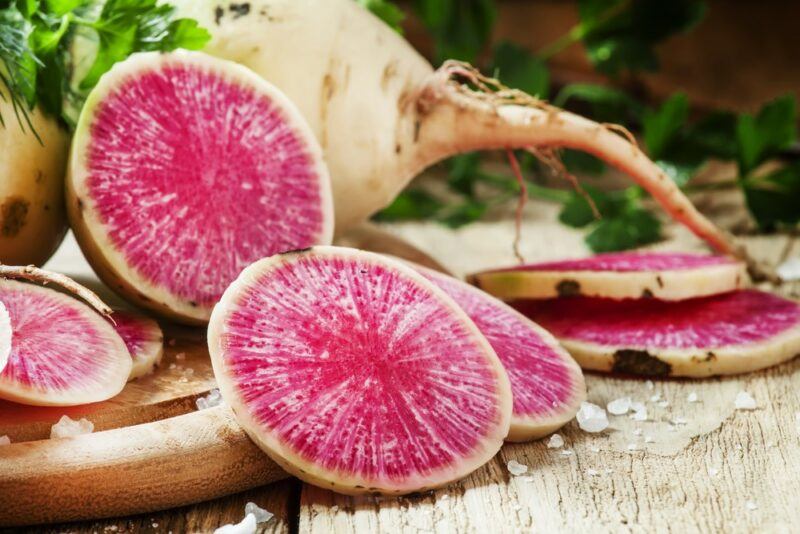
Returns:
(184, 170)
(5, 336)
(546, 384)
(63, 353)
(660, 275)
(356, 374)
(720, 335)
(144, 340)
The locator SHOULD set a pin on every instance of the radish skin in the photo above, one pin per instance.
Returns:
(382, 114)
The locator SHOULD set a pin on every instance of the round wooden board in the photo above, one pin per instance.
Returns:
(151, 448)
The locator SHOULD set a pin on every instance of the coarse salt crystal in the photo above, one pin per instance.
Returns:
(649, 385)
(5, 440)
(594, 449)
(639, 411)
(555, 442)
(637, 432)
(609, 471)
(66, 428)
(567, 452)
(632, 446)
(744, 401)
(692, 397)
(751, 505)
(663, 403)
(180, 356)
(789, 271)
(713, 471)
(261, 515)
(619, 406)
(214, 398)
(656, 397)
(335, 508)
(592, 472)
(680, 421)
(516, 468)
(248, 525)
(592, 418)
(649, 439)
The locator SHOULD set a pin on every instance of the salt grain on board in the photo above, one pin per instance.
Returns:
(751, 505)
(639, 411)
(567, 452)
(649, 385)
(649, 439)
(789, 271)
(248, 525)
(214, 398)
(5, 440)
(712, 471)
(592, 472)
(261, 515)
(744, 401)
(619, 406)
(592, 418)
(67, 428)
(516, 468)
(555, 442)
(692, 397)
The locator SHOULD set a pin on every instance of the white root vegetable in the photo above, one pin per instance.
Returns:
(382, 114)
(32, 217)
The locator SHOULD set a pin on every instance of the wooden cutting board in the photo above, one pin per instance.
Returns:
(151, 448)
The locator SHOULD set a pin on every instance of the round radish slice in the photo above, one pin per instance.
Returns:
(5, 336)
(660, 275)
(144, 340)
(184, 170)
(357, 374)
(63, 353)
(546, 384)
(724, 334)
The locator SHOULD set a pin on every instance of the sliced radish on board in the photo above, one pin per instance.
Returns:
(660, 275)
(357, 374)
(144, 340)
(63, 353)
(546, 384)
(184, 170)
(5, 336)
(725, 334)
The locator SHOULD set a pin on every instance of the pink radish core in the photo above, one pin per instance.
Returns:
(195, 176)
(542, 379)
(624, 262)
(361, 369)
(736, 318)
(56, 349)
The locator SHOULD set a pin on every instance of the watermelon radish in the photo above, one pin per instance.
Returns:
(724, 334)
(184, 170)
(5, 336)
(546, 384)
(621, 275)
(63, 353)
(143, 338)
(355, 373)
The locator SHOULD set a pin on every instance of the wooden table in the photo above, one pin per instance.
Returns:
(724, 470)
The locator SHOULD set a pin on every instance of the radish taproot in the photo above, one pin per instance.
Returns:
(355, 373)
(33, 221)
(547, 385)
(725, 334)
(143, 339)
(623, 275)
(382, 114)
(184, 170)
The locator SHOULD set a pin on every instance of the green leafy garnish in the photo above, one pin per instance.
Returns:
(760, 137)
(774, 199)
(386, 11)
(460, 28)
(606, 104)
(516, 67)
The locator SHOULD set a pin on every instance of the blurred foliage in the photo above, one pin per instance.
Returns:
(619, 36)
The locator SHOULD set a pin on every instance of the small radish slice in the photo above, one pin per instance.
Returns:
(546, 384)
(660, 275)
(5, 336)
(144, 340)
(184, 170)
(356, 374)
(63, 353)
(724, 334)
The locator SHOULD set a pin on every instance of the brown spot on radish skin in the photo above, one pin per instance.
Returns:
(647, 294)
(389, 72)
(568, 288)
(639, 362)
(711, 357)
(660, 282)
(14, 213)
(218, 14)
(239, 10)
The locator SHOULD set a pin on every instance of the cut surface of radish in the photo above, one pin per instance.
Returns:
(63, 353)
(546, 384)
(143, 338)
(357, 374)
(622, 275)
(5, 335)
(724, 334)
(184, 170)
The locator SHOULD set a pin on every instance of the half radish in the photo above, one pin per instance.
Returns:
(63, 353)
(5, 336)
(725, 334)
(144, 340)
(660, 275)
(357, 374)
(546, 384)
(184, 170)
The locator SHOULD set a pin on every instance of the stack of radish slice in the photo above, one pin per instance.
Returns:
(654, 314)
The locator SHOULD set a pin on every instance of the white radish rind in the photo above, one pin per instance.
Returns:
(63, 353)
(679, 277)
(143, 338)
(5, 335)
(727, 334)
(546, 383)
(223, 169)
(356, 374)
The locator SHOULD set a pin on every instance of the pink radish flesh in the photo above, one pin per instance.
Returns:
(62, 352)
(547, 385)
(623, 262)
(143, 339)
(357, 373)
(5, 335)
(193, 169)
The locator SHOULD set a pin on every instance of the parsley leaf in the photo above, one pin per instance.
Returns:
(606, 103)
(386, 11)
(774, 199)
(460, 28)
(410, 205)
(760, 137)
(516, 67)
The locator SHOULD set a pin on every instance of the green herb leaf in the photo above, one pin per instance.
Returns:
(578, 162)
(387, 12)
(464, 173)
(410, 205)
(516, 67)
(606, 103)
(631, 229)
(460, 28)
(660, 127)
(578, 213)
(760, 137)
(774, 199)
(462, 214)
(18, 66)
